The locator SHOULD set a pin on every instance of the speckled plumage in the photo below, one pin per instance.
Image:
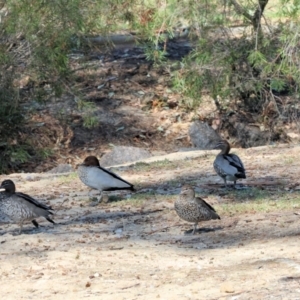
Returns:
(94, 176)
(228, 166)
(193, 209)
(17, 207)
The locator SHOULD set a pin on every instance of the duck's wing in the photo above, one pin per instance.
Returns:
(34, 202)
(203, 204)
(225, 165)
(115, 176)
(234, 161)
(107, 180)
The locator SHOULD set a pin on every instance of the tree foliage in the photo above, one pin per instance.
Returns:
(253, 54)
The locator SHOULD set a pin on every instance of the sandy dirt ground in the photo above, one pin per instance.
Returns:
(138, 249)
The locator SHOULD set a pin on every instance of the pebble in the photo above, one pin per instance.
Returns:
(227, 287)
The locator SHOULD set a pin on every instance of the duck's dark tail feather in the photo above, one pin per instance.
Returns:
(35, 223)
(240, 175)
(50, 220)
(131, 188)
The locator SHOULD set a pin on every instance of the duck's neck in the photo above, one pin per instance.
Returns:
(225, 149)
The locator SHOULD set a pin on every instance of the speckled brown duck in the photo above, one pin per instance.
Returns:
(16, 207)
(228, 166)
(94, 176)
(193, 209)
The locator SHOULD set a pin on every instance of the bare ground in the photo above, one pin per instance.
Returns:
(135, 248)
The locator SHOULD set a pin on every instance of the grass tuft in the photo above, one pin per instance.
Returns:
(257, 200)
(68, 178)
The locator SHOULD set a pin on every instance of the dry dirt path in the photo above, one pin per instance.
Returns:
(137, 249)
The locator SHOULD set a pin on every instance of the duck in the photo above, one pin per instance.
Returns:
(228, 166)
(193, 209)
(17, 207)
(96, 177)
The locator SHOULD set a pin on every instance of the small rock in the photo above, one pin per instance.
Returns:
(293, 135)
(227, 287)
(118, 231)
(30, 178)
